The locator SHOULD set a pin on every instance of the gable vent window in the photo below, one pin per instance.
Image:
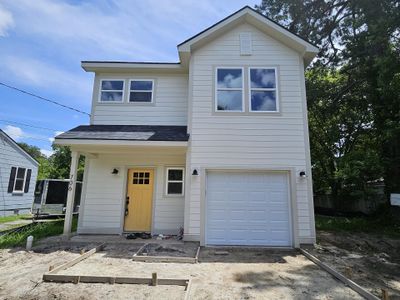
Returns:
(263, 90)
(19, 180)
(245, 43)
(141, 91)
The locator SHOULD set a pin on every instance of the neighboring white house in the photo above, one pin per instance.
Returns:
(216, 144)
(18, 171)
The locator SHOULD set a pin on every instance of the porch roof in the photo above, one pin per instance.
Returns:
(126, 133)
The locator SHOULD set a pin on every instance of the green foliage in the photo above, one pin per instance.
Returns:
(57, 165)
(60, 163)
(13, 218)
(353, 89)
(382, 225)
(38, 232)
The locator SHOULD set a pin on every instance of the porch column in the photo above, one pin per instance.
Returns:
(71, 193)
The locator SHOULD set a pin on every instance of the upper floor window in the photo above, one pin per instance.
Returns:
(111, 90)
(263, 90)
(141, 91)
(229, 89)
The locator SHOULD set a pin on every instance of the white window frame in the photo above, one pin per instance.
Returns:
(101, 90)
(141, 102)
(228, 89)
(15, 181)
(175, 181)
(264, 90)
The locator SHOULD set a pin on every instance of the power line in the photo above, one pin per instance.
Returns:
(45, 99)
(28, 125)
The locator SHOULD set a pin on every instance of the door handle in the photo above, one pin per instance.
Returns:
(126, 212)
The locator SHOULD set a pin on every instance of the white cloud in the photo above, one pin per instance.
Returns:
(46, 152)
(41, 74)
(6, 21)
(14, 132)
(55, 134)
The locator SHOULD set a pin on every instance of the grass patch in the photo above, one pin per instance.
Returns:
(14, 218)
(40, 231)
(381, 223)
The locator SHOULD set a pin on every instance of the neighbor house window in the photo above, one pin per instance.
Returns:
(111, 90)
(229, 89)
(17, 180)
(175, 183)
(141, 91)
(263, 90)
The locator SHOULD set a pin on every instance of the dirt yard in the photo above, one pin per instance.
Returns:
(236, 274)
(371, 261)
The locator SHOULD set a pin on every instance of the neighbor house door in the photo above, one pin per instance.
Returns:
(139, 200)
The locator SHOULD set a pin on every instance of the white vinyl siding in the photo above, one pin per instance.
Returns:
(102, 207)
(168, 107)
(248, 140)
(10, 157)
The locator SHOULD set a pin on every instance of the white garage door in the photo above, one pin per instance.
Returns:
(248, 208)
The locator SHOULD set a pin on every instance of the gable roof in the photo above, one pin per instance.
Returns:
(17, 147)
(245, 14)
(261, 22)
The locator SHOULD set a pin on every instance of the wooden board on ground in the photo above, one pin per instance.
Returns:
(363, 292)
(76, 260)
(173, 259)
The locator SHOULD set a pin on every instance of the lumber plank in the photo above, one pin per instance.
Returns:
(197, 255)
(140, 249)
(111, 279)
(363, 292)
(77, 259)
(187, 289)
(190, 260)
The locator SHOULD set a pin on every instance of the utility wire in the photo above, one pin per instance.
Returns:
(45, 99)
(28, 125)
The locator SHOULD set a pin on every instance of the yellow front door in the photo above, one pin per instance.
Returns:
(139, 200)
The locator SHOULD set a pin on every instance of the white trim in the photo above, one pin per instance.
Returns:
(276, 90)
(14, 191)
(141, 91)
(175, 181)
(118, 91)
(119, 143)
(216, 89)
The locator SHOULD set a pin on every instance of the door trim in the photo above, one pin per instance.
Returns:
(125, 192)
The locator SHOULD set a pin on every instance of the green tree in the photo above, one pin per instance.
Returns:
(44, 164)
(60, 163)
(353, 87)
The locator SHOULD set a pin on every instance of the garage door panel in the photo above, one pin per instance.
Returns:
(245, 208)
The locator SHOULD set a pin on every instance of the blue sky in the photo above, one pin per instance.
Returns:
(42, 43)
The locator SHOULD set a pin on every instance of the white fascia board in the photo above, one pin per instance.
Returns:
(119, 143)
(127, 67)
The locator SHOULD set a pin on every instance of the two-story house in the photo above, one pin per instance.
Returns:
(216, 144)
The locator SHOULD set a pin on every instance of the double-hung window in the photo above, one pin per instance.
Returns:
(111, 90)
(175, 181)
(229, 89)
(141, 90)
(19, 180)
(263, 90)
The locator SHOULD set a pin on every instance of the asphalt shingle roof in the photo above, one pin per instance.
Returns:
(127, 132)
